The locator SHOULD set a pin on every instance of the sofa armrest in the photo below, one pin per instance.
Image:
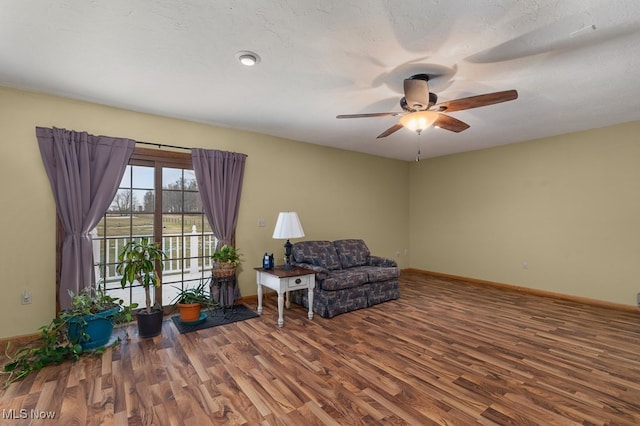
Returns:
(381, 261)
(321, 273)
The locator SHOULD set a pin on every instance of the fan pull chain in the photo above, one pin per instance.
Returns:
(418, 155)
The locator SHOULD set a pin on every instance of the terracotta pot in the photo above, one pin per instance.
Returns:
(189, 312)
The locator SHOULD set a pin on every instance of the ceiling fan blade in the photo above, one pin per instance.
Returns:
(476, 101)
(450, 123)
(372, 114)
(416, 93)
(390, 130)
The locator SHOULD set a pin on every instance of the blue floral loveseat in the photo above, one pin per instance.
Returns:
(347, 276)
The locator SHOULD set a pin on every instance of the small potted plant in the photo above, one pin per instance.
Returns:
(141, 261)
(92, 316)
(190, 302)
(226, 259)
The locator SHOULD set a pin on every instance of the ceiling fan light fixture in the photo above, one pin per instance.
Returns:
(248, 58)
(418, 121)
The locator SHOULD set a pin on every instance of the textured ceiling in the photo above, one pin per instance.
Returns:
(574, 63)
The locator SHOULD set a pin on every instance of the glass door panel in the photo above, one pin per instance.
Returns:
(130, 216)
(182, 231)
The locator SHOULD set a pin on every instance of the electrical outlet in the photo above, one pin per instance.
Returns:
(26, 297)
(262, 223)
(525, 264)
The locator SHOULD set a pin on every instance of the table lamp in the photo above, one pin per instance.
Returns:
(288, 226)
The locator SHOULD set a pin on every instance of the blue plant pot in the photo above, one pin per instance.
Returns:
(98, 326)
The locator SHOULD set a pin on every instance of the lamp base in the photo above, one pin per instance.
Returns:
(287, 255)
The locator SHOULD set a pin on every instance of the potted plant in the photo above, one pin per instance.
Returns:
(92, 316)
(141, 261)
(226, 259)
(189, 301)
(84, 328)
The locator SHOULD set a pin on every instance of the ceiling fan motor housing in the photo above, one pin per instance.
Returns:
(424, 77)
(433, 99)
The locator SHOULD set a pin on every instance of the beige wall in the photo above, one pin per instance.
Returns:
(338, 194)
(567, 205)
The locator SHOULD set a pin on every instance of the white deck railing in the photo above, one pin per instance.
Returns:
(188, 256)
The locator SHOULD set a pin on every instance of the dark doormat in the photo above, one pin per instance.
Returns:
(216, 317)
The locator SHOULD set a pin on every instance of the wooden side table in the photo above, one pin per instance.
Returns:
(283, 282)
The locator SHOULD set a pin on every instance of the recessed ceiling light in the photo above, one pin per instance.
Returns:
(248, 58)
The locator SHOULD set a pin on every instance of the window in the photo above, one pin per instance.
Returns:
(157, 198)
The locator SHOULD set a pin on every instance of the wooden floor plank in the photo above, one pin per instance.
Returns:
(447, 352)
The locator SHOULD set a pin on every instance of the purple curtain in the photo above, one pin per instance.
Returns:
(84, 171)
(219, 176)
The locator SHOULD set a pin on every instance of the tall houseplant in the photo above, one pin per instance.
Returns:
(141, 261)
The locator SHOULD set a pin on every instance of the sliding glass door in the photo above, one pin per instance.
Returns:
(157, 198)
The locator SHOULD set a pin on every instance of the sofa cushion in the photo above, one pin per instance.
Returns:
(352, 252)
(377, 273)
(345, 278)
(318, 253)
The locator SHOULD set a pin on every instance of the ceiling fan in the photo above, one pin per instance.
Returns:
(421, 110)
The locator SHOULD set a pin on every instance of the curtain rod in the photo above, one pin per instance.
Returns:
(160, 145)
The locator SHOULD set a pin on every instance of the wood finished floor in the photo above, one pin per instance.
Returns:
(446, 352)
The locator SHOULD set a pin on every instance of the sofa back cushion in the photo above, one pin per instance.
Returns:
(318, 253)
(352, 252)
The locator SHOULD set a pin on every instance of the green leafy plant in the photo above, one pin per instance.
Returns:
(226, 256)
(197, 294)
(139, 261)
(54, 344)
(92, 300)
(52, 347)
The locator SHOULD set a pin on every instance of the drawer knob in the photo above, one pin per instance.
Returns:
(298, 280)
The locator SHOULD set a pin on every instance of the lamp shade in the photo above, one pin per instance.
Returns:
(288, 226)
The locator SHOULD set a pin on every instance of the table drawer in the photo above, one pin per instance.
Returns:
(294, 283)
